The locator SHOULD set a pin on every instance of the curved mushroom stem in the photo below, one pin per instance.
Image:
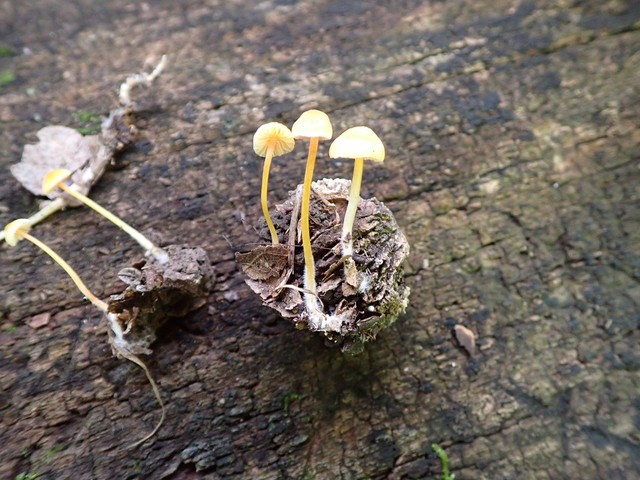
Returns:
(122, 347)
(263, 195)
(158, 253)
(102, 306)
(352, 207)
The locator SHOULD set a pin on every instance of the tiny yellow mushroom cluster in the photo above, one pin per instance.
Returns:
(358, 143)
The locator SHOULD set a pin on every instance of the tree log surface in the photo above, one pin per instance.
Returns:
(512, 139)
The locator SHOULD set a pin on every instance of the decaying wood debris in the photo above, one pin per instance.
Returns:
(362, 294)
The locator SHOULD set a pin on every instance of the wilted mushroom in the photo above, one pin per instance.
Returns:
(271, 140)
(360, 144)
(19, 229)
(56, 178)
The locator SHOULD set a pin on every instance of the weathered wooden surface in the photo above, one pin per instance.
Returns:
(512, 165)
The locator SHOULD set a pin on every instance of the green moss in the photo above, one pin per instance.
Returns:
(90, 122)
(6, 77)
(6, 51)
(307, 475)
(27, 476)
(49, 454)
(288, 398)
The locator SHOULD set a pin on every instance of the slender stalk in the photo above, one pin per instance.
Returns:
(67, 268)
(265, 188)
(309, 265)
(122, 347)
(352, 207)
(144, 242)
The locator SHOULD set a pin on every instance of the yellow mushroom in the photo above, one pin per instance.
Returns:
(360, 144)
(19, 229)
(271, 140)
(313, 125)
(56, 178)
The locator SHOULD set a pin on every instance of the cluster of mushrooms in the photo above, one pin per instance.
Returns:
(348, 282)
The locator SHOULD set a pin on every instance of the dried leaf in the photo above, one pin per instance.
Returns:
(58, 147)
(265, 263)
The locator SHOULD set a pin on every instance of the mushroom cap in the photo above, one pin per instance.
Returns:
(358, 142)
(312, 124)
(53, 178)
(11, 230)
(273, 132)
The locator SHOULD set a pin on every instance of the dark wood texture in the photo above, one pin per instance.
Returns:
(512, 143)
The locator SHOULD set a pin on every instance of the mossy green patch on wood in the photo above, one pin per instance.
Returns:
(6, 77)
(89, 121)
(6, 51)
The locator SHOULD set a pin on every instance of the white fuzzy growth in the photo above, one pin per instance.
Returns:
(117, 339)
(312, 305)
(318, 320)
(333, 323)
(139, 79)
(347, 245)
(364, 284)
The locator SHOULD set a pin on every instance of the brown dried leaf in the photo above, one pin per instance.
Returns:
(266, 263)
(58, 147)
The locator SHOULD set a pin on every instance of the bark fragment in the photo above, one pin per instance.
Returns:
(156, 293)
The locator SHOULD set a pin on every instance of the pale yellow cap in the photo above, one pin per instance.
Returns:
(312, 124)
(358, 142)
(53, 178)
(11, 230)
(279, 134)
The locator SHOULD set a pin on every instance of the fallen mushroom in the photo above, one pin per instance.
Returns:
(313, 125)
(360, 144)
(19, 229)
(86, 155)
(271, 140)
(56, 178)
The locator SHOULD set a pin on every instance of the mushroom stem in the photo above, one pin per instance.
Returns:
(158, 253)
(102, 306)
(265, 188)
(309, 265)
(352, 207)
(122, 347)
